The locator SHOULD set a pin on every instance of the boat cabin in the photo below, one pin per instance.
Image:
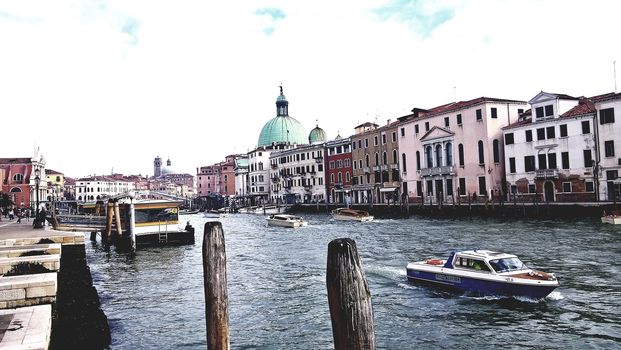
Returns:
(484, 261)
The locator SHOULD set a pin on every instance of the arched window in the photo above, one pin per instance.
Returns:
(340, 177)
(403, 162)
(376, 159)
(384, 160)
(496, 151)
(460, 151)
(16, 189)
(79, 198)
(439, 155)
(449, 154)
(18, 177)
(417, 160)
(395, 160)
(347, 177)
(429, 155)
(481, 153)
(367, 160)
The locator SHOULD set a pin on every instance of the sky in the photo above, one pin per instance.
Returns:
(107, 85)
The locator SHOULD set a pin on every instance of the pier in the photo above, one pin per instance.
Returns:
(46, 296)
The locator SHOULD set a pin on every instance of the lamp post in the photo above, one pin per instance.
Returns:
(37, 179)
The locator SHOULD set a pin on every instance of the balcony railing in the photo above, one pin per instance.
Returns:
(274, 166)
(319, 159)
(394, 166)
(367, 170)
(376, 168)
(547, 174)
(439, 170)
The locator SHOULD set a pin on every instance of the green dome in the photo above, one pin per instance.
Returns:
(282, 129)
(317, 135)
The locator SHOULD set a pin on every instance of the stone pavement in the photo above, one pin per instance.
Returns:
(26, 327)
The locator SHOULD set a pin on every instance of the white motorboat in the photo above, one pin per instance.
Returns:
(484, 272)
(351, 214)
(268, 210)
(212, 214)
(612, 218)
(285, 220)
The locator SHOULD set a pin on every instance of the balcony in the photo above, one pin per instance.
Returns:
(274, 166)
(275, 179)
(394, 166)
(367, 170)
(376, 168)
(439, 170)
(319, 160)
(547, 174)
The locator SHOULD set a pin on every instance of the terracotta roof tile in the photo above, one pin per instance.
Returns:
(455, 106)
(584, 106)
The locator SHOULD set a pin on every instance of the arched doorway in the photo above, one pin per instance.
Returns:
(548, 190)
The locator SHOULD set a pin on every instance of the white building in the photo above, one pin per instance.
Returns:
(298, 175)
(97, 187)
(241, 176)
(552, 152)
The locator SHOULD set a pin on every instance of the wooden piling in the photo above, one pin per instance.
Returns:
(349, 298)
(117, 217)
(109, 217)
(216, 296)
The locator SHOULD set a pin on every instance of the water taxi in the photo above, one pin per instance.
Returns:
(157, 222)
(613, 218)
(285, 220)
(484, 272)
(351, 214)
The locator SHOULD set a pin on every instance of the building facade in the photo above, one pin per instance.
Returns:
(339, 170)
(94, 188)
(455, 150)
(375, 163)
(608, 160)
(18, 179)
(297, 175)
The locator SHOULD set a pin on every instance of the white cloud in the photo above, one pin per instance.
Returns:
(113, 83)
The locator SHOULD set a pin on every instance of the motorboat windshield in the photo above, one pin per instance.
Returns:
(507, 264)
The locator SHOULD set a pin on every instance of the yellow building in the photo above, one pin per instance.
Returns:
(55, 184)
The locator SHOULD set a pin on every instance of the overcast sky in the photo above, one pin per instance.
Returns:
(111, 84)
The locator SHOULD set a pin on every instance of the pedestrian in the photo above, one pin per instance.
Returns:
(27, 214)
(18, 213)
(11, 215)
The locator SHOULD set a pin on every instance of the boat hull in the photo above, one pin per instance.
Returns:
(352, 218)
(609, 219)
(481, 287)
(290, 224)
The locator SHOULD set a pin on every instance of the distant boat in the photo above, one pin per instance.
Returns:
(484, 272)
(269, 210)
(285, 220)
(213, 214)
(187, 212)
(612, 218)
(351, 214)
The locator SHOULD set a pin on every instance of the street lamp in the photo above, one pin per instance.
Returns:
(37, 179)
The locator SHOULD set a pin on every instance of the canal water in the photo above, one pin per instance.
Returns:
(278, 298)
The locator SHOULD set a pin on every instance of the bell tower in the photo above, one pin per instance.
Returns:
(157, 167)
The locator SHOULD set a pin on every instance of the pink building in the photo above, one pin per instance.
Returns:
(18, 176)
(455, 150)
(218, 178)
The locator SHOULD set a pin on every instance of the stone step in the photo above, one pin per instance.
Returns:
(16, 251)
(27, 290)
(50, 262)
(26, 328)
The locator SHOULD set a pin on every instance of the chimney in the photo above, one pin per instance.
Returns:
(387, 121)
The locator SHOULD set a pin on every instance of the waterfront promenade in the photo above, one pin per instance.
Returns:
(38, 293)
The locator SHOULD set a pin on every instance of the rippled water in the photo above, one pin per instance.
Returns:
(278, 298)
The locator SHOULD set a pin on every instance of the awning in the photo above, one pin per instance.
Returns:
(388, 189)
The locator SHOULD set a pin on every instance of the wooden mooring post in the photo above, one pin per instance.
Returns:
(349, 298)
(216, 296)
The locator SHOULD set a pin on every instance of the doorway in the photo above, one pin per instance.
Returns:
(548, 190)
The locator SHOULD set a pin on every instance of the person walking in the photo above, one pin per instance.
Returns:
(18, 213)
(27, 214)
(11, 215)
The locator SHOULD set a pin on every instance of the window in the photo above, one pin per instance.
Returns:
(565, 160)
(512, 165)
(563, 129)
(609, 148)
(438, 155)
(529, 163)
(18, 177)
(394, 136)
(366, 143)
(550, 132)
(462, 186)
(529, 136)
(549, 110)
(429, 154)
(612, 175)
(520, 111)
(347, 177)
(482, 187)
(446, 122)
(402, 132)
(383, 139)
(395, 160)
(359, 143)
(496, 150)
(375, 140)
(586, 127)
(449, 187)
(541, 134)
(588, 159)
(539, 112)
(552, 161)
(384, 160)
(417, 160)
(353, 145)
(376, 159)
(607, 116)
(449, 154)
(460, 151)
(339, 163)
(589, 187)
(331, 164)
(366, 159)
(416, 129)
(509, 139)
(513, 189)
(459, 119)
(419, 188)
(347, 165)
(494, 113)
(479, 114)
(532, 188)
(403, 162)
(567, 187)
(543, 162)
(426, 126)
(481, 153)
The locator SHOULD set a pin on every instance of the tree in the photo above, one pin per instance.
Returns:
(5, 200)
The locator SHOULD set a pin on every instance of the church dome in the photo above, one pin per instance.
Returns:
(317, 135)
(167, 170)
(282, 128)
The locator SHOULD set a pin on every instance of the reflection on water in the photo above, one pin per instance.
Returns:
(278, 299)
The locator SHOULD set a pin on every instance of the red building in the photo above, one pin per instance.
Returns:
(338, 170)
(217, 179)
(18, 179)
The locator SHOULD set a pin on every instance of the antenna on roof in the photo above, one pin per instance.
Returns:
(614, 68)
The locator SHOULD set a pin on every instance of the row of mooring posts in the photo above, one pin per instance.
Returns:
(113, 218)
(349, 297)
